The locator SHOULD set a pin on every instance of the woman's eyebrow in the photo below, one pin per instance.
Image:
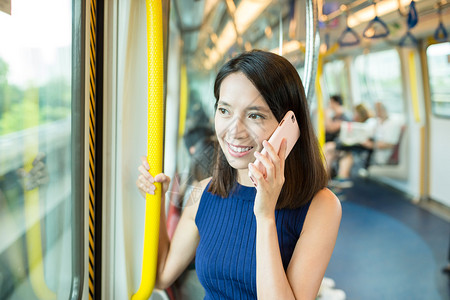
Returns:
(255, 107)
(260, 108)
(223, 103)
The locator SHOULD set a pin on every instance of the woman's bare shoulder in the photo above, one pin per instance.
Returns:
(326, 205)
(205, 182)
(326, 197)
(196, 194)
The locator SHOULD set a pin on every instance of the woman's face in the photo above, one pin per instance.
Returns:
(242, 120)
(357, 116)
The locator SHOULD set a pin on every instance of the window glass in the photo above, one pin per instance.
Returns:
(35, 150)
(438, 56)
(378, 78)
(336, 80)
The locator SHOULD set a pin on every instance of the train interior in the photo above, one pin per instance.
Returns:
(73, 127)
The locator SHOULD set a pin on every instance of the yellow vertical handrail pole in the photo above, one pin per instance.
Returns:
(319, 94)
(155, 126)
(31, 201)
(320, 107)
(184, 101)
(413, 85)
(416, 109)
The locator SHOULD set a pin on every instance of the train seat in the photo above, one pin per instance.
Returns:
(397, 166)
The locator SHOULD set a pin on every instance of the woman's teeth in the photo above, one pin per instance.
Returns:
(239, 149)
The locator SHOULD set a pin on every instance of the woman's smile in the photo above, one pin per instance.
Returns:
(239, 151)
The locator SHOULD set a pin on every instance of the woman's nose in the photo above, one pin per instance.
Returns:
(238, 128)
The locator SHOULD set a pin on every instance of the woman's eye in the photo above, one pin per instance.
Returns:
(255, 116)
(223, 111)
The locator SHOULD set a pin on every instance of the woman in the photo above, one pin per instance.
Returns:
(269, 242)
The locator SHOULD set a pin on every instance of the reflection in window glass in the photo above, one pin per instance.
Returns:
(336, 82)
(439, 72)
(379, 80)
(35, 135)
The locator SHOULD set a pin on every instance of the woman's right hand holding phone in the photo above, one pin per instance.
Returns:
(145, 181)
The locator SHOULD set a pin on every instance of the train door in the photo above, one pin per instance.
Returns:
(41, 146)
(438, 59)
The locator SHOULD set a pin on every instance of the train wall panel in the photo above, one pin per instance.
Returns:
(440, 160)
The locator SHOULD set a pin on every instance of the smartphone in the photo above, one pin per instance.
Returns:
(288, 129)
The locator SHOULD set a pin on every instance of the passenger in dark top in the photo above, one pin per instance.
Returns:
(334, 115)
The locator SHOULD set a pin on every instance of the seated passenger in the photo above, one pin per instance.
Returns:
(359, 130)
(354, 145)
(334, 115)
(348, 144)
(386, 136)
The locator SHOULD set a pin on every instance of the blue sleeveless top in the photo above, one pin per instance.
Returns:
(226, 255)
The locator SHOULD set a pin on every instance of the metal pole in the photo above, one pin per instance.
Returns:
(312, 47)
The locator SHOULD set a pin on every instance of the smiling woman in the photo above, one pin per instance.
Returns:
(77, 110)
(267, 82)
(273, 241)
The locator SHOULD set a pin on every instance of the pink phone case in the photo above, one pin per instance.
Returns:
(288, 128)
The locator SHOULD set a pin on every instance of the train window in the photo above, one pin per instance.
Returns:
(336, 79)
(379, 79)
(35, 150)
(438, 57)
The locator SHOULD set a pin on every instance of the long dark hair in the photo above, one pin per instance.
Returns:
(281, 87)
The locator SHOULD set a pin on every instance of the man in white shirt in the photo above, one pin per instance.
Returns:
(387, 134)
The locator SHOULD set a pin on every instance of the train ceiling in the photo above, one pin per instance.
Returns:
(213, 30)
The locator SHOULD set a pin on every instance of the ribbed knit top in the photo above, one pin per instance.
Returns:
(226, 255)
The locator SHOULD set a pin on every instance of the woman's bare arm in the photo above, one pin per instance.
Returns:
(311, 255)
(315, 245)
(176, 254)
(179, 253)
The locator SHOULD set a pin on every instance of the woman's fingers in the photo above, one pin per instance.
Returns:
(256, 174)
(144, 172)
(145, 181)
(145, 163)
(267, 163)
(274, 158)
(145, 186)
(161, 177)
(164, 180)
(282, 154)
